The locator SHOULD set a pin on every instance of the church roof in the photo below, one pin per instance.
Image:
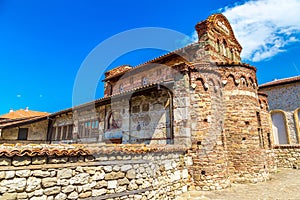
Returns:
(216, 23)
(17, 114)
(280, 82)
(9, 123)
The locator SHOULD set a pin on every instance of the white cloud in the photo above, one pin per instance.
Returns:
(191, 38)
(19, 96)
(265, 27)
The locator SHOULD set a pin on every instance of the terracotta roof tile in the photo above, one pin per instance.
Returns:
(23, 114)
(11, 150)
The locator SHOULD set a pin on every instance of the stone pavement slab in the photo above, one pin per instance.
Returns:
(284, 185)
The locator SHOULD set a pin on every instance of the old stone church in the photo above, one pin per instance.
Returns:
(200, 97)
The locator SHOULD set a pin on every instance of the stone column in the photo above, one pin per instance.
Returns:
(125, 121)
(181, 103)
(75, 126)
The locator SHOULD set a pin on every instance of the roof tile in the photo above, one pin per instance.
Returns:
(23, 114)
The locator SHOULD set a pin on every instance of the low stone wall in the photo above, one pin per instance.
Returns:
(106, 172)
(287, 156)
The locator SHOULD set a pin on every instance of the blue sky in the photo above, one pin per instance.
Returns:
(43, 43)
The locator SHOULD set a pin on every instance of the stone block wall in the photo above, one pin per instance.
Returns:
(101, 172)
(287, 156)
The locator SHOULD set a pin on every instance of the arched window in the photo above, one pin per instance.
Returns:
(232, 54)
(218, 45)
(280, 129)
(224, 46)
(297, 122)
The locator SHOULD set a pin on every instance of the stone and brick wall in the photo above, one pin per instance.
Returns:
(265, 124)
(208, 150)
(247, 158)
(102, 172)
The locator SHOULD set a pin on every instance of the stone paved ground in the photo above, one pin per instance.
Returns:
(284, 185)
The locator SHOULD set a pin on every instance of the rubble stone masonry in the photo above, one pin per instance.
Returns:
(287, 156)
(103, 172)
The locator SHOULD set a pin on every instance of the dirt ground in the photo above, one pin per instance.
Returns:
(284, 185)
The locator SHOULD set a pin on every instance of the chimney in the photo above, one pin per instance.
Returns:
(26, 109)
(11, 110)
